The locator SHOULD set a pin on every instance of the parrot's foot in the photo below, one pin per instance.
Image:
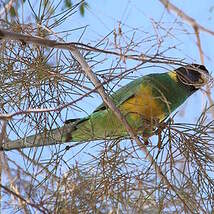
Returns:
(159, 130)
(162, 125)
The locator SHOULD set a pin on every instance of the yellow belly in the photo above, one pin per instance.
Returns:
(144, 105)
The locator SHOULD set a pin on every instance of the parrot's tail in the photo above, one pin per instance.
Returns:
(47, 137)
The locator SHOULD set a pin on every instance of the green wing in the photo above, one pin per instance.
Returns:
(123, 93)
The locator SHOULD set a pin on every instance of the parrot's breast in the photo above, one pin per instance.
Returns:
(144, 104)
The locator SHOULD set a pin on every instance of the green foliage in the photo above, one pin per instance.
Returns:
(12, 12)
(68, 3)
(82, 6)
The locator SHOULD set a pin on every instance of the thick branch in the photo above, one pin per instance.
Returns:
(29, 39)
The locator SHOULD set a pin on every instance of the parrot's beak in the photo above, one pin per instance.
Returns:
(205, 78)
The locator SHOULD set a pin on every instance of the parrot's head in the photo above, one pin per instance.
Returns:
(193, 76)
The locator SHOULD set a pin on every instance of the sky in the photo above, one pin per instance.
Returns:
(103, 16)
(142, 19)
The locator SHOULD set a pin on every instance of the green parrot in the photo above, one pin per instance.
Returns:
(144, 102)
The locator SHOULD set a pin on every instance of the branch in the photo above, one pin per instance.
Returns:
(185, 17)
(29, 39)
(197, 28)
(122, 119)
(38, 207)
(99, 87)
(6, 7)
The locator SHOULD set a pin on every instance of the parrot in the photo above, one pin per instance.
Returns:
(144, 102)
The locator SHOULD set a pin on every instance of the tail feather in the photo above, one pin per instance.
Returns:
(47, 137)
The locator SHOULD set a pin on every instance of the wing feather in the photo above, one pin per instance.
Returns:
(124, 93)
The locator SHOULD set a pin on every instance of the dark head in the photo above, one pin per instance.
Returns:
(194, 76)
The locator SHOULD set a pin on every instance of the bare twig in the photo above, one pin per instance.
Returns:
(197, 28)
(7, 7)
(37, 207)
(75, 52)
(185, 17)
(29, 39)
(122, 119)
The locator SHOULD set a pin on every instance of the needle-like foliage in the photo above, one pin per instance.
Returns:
(42, 85)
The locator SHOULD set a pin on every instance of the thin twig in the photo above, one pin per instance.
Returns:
(197, 28)
(29, 39)
(122, 119)
(185, 17)
(93, 78)
(7, 7)
(23, 199)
